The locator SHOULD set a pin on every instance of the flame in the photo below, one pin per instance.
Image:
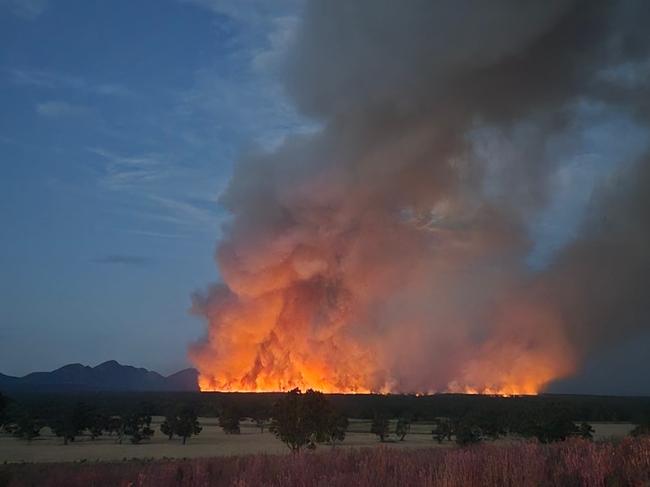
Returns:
(281, 329)
(329, 288)
(274, 342)
(267, 344)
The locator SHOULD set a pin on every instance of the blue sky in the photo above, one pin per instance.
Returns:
(120, 121)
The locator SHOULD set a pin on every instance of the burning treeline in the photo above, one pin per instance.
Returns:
(389, 250)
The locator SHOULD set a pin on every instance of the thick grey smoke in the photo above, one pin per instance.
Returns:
(388, 251)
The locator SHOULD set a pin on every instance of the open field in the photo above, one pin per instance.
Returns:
(214, 442)
(521, 464)
(211, 442)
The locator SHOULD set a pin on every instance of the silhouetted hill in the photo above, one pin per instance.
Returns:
(108, 376)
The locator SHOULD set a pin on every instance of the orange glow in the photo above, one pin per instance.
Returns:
(327, 310)
(270, 343)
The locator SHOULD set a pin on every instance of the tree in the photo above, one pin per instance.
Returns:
(4, 404)
(380, 427)
(97, 424)
(229, 421)
(303, 419)
(27, 427)
(71, 422)
(187, 423)
(288, 421)
(260, 417)
(547, 425)
(640, 430)
(337, 426)
(467, 433)
(490, 423)
(316, 415)
(643, 426)
(168, 427)
(137, 425)
(402, 428)
(585, 430)
(442, 430)
(114, 425)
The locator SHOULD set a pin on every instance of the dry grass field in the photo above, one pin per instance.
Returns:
(213, 442)
(575, 462)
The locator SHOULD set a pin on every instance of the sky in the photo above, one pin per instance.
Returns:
(120, 123)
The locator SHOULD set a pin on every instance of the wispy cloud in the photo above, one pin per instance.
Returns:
(124, 172)
(57, 109)
(146, 233)
(279, 36)
(53, 80)
(184, 210)
(125, 260)
(250, 11)
(27, 9)
(248, 102)
(152, 183)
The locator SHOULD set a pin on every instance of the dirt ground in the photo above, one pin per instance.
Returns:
(214, 442)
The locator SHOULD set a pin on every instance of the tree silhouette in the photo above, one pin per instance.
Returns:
(97, 424)
(303, 419)
(586, 431)
(403, 427)
(137, 424)
(72, 421)
(4, 403)
(467, 432)
(289, 423)
(168, 427)
(380, 426)
(643, 427)
(260, 417)
(229, 421)
(337, 426)
(443, 429)
(187, 423)
(547, 425)
(27, 426)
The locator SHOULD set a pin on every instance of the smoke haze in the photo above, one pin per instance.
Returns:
(389, 250)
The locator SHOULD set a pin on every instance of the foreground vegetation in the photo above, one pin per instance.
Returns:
(298, 420)
(575, 462)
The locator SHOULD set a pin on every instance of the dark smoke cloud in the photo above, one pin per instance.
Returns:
(600, 282)
(398, 235)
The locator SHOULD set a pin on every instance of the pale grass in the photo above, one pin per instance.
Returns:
(210, 443)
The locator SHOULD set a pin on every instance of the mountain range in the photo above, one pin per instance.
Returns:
(108, 376)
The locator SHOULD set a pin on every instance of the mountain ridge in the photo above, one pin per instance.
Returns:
(107, 376)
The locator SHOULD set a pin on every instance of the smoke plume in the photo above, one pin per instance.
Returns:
(388, 251)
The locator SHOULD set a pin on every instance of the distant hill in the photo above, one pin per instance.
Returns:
(108, 376)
